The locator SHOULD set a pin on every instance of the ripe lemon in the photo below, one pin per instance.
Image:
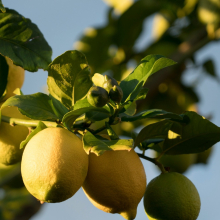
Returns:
(178, 163)
(115, 182)
(54, 165)
(11, 137)
(172, 196)
(15, 78)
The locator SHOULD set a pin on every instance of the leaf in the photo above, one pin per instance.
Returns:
(132, 85)
(37, 106)
(111, 132)
(152, 131)
(59, 109)
(97, 146)
(71, 116)
(39, 128)
(22, 42)
(92, 115)
(209, 67)
(153, 113)
(2, 8)
(3, 75)
(195, 137)
(69, 78)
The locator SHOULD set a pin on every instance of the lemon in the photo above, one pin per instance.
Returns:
(15, 78)
(172, 196)
(178, 163)
(115, 182)
(54, 165)
(11, 137)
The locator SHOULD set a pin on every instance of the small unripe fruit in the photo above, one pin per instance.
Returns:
(109, 82)
(116, 94)
(97, 96)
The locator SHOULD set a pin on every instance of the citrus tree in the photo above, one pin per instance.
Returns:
(69, 139)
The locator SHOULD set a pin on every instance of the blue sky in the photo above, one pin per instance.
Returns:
(62, 23)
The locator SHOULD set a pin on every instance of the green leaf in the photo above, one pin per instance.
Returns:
(3, 75)
(195, 137)
(97, 146)
(92, 115)
(153, 113)
(39, 128)
(59, 109)
(2, 8)
(22, 42)
(71, 116)
(37, 106)
(69, 77)
(132, 85)
(111, 132)
(209, 67)
(152, 131)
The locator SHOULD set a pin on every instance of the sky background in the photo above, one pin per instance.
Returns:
(62, 23)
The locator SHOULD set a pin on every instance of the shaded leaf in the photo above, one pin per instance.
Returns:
(208, 65)
(39, 128)
(153, 113)
(195, 137)
(22, 42)
(111, 132)
(71, 116)
(37, 106)
(97, 146)
(152, 131)
(132, 85)
(69, 78)
(3, 75)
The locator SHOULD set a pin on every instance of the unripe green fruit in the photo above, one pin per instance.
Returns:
(178, 163)
(172, 196)
(116, 94)
(109, 82)
(97, 96)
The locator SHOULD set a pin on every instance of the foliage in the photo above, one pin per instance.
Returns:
(140, 92)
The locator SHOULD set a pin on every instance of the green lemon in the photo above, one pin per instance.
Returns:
(97, 96)
(109, 82)
(172, 196)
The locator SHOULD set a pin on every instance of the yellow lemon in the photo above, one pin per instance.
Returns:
(172, 196)
(54, 165)
(15, 78)
(11, 137)
(115, 182)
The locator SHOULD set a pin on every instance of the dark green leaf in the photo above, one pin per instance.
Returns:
(111, 132)
(208, 65)
(22, 42)
(92, 115)
(195, 137)
(2, 8)
(97, 146)
(59, 109)
(153, 113)
(3, 75)
(150, 142)
(69, 78)
(71, 116)
(132, 85)
(152, 131)
(37, 106)
(39, 128)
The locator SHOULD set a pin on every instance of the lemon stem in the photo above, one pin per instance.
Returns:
(153, 160)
